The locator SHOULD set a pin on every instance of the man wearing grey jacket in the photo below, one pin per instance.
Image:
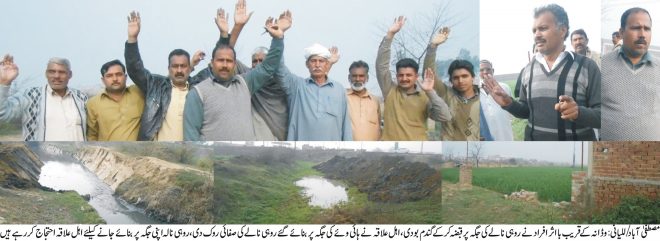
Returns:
(219, 107)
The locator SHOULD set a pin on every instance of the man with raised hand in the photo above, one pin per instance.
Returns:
(560, 92)
(408, 104)
(318, 106)
(162, 119)
(496, 120)
(631, 93)
(219, 107)
(462, 97)
(269, 104)
(53, 112)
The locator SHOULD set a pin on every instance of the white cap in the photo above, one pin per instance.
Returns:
(317, 49)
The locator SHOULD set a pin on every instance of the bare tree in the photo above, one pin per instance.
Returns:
(412, 41)
(475, 151)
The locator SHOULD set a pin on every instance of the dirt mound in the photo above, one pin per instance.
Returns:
(389, 179)
(19, 167)
(168, 191)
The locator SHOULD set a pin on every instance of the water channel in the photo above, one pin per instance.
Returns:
(68, 174)
(322, 192)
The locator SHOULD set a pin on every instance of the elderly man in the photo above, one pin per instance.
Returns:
(631, 93)
(53, 112)
(580, 43)
(560, 92)
(318, 107)
(219, 107)
(408, 104)
(363, 106)
(114, 114)
(497, 120)
(162, 119)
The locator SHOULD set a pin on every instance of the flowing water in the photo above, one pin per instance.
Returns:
(322, 192)
(63, 174)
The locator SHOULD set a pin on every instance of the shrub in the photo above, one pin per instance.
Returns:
(631, 210)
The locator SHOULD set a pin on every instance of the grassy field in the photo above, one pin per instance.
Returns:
(552, 183)
(480, 205)
(38, 206)
(261, 194)
(266, 194)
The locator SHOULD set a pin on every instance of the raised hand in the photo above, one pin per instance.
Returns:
(133, 26)
(440, 37)
(496, 91)
(396, 26)
(567, 107)
(221, 20)
(197, 57)
(8, 70)
(285, 20)
(276, 28)
(429, 80)
(334, 55)
(240, 14)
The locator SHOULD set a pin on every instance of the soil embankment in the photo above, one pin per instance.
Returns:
(167, 191)
(386, 179)
(24, 201)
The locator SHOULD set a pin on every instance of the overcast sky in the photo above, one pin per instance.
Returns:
(506, 29)
(557, 152)
(91, 33)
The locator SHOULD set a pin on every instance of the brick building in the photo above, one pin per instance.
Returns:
(616, 170)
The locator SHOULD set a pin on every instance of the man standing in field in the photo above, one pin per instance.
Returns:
(114, 114)
(364, 107)
(580, 43)
(408, 103)
(560, 92)
(498, 121)
(53, 112)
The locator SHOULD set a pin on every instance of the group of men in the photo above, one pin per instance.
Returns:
(230, 101)
(560, 92)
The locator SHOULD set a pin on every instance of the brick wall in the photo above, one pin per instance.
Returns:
(621, 169)
(577, 187)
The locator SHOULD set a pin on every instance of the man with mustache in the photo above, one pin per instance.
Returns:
(270, 110)
(580, 43)
(219, 107)
(53, 112)
(631, 104)
(560, 92)
(363, 106)
(114, 114)
(162, 119)
(318, 108)
(408, 104)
